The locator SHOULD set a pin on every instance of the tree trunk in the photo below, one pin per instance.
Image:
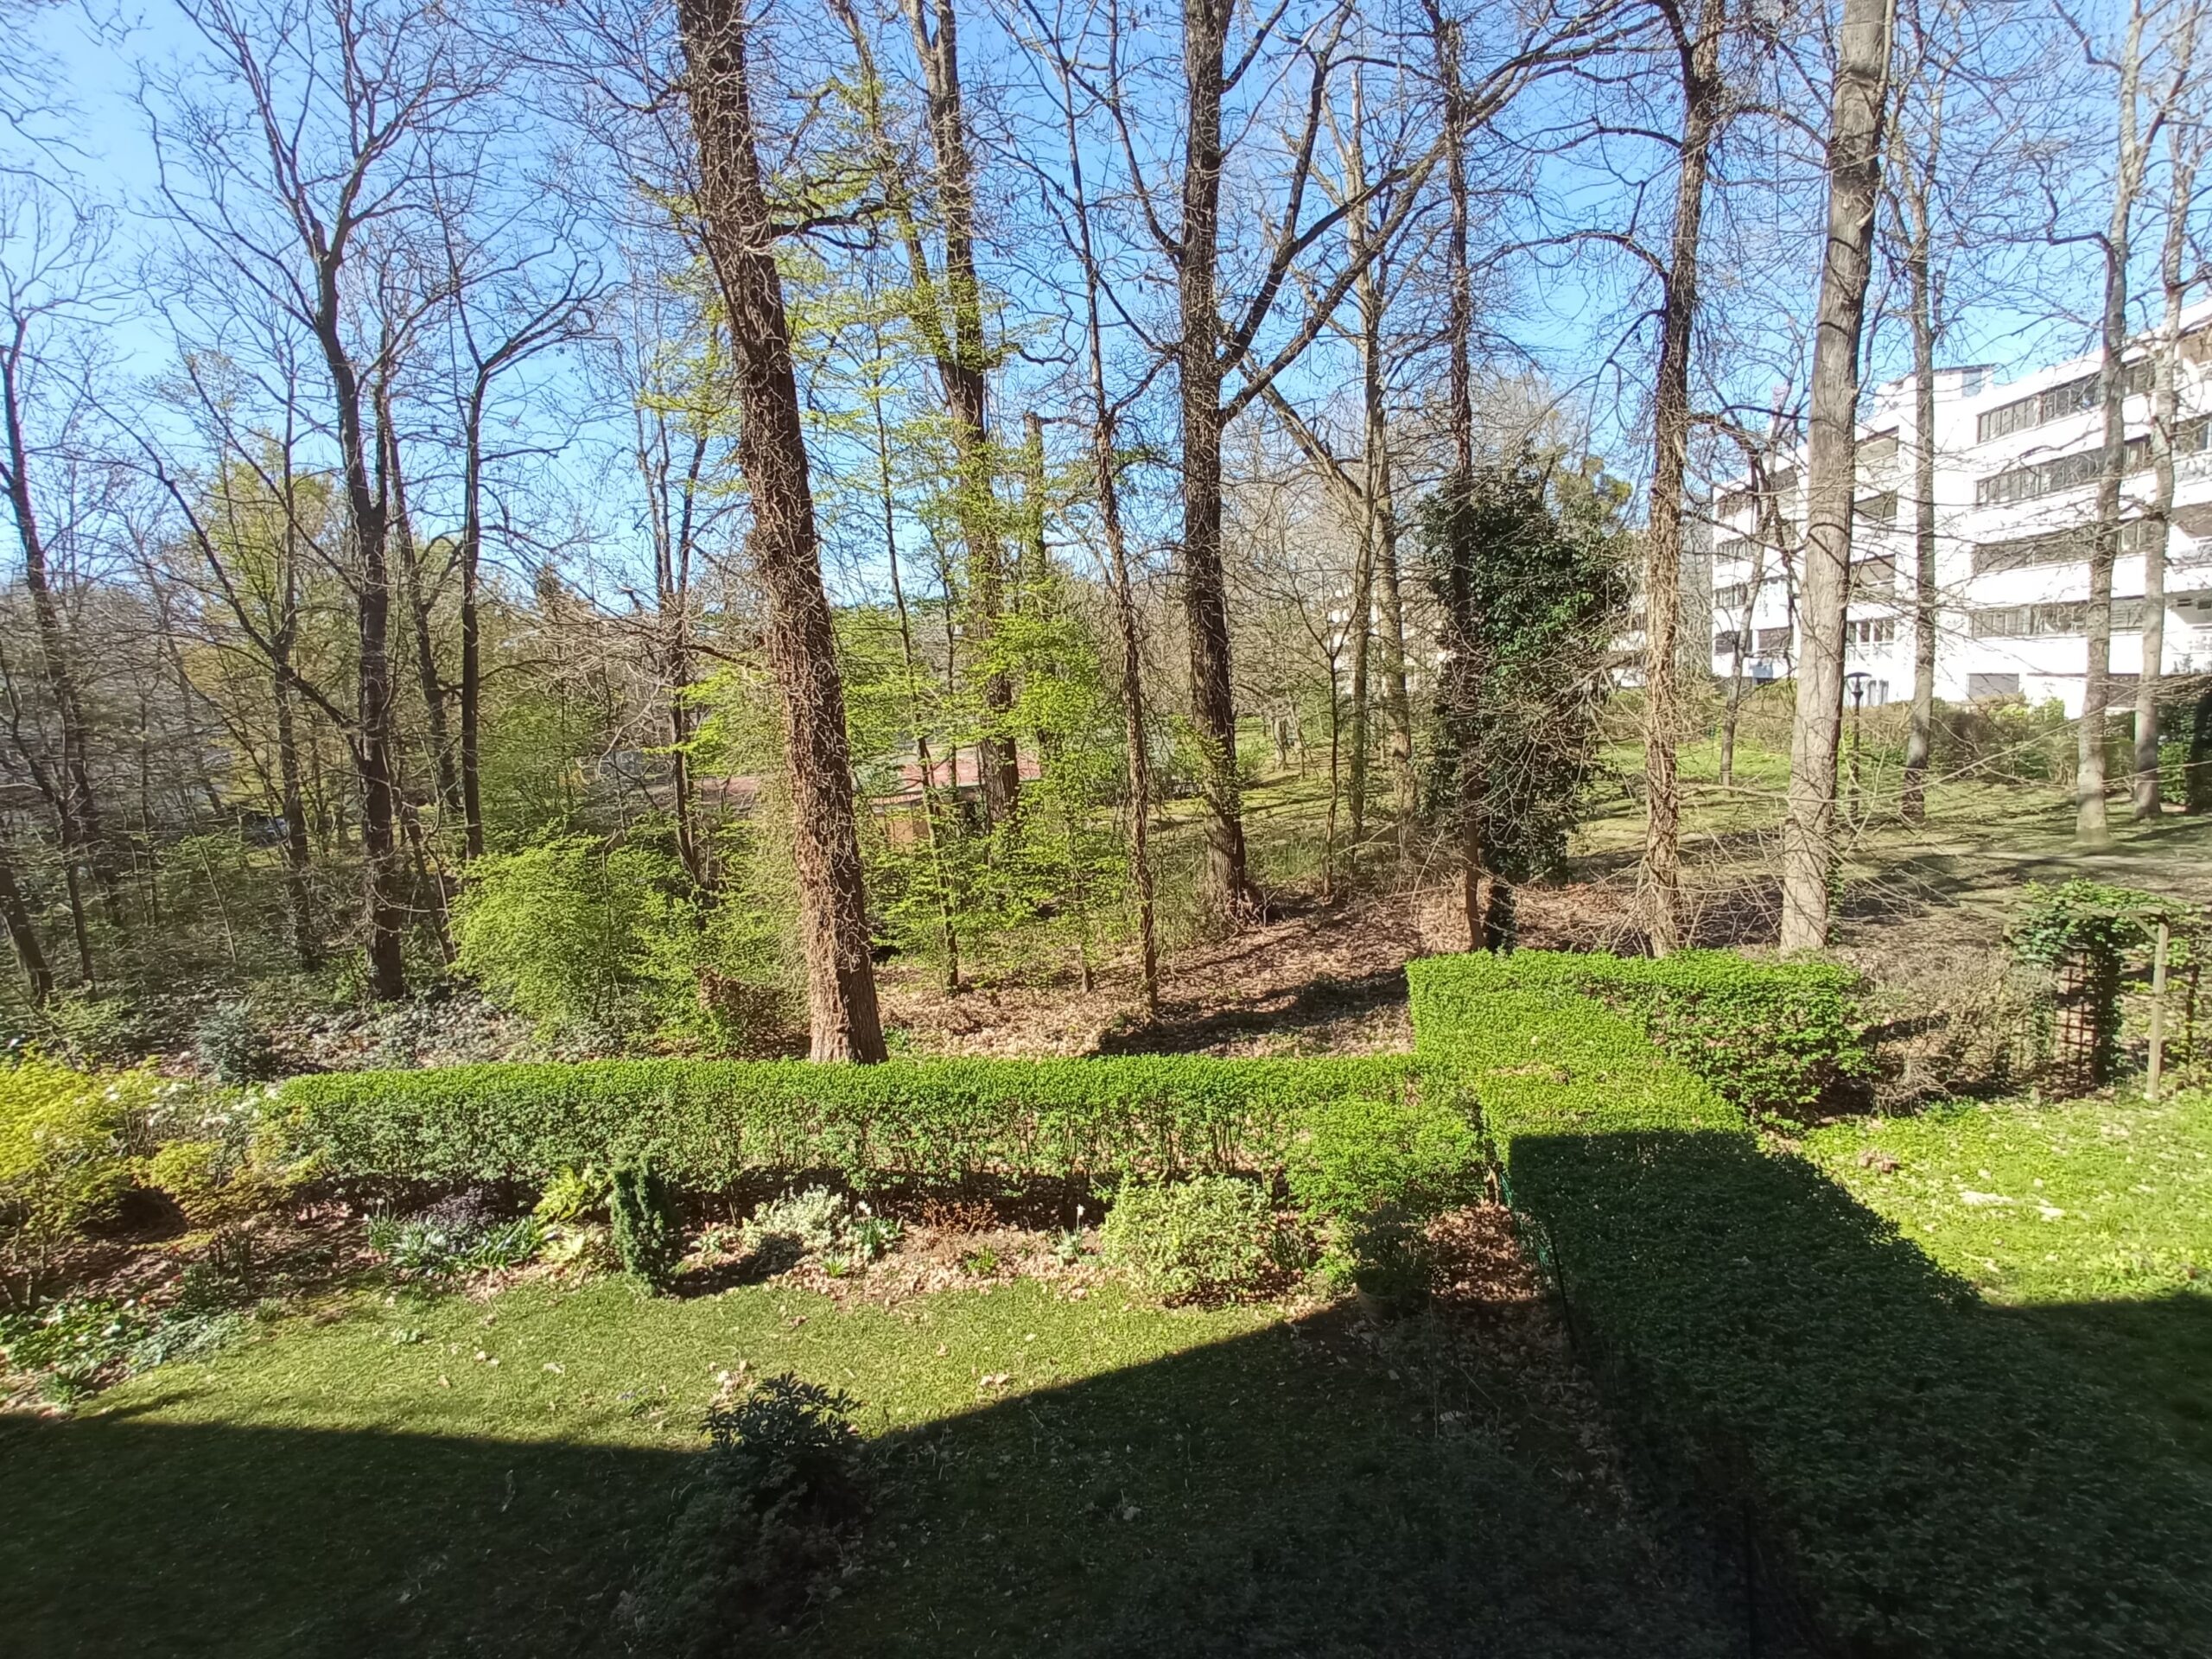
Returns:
(299, 893)
(1461, 691)
(963, 360)
(412, 594)
(1359, 632)
(78, 810)
(1227, 888)
(1861, 96)
(1920, 730)
(2092, 825)
(38, 978)
(2165, 417)
(739, 236)
(1661, 877)
(471, 647)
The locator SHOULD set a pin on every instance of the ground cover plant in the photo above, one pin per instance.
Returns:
(2091, 1218)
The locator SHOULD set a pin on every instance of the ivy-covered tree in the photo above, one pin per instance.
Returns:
(1530, 567)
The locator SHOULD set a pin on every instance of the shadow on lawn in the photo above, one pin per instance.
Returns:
(1326, 1489)
(1905, 1470)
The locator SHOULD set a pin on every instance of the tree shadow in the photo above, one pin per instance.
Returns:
(124, 1533)
(1318, 1487)
(1316, 1001)
(1905, 1470)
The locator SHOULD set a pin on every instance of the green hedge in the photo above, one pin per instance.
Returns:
(1775, 1038)
(707, 1125)
(1913, 1472)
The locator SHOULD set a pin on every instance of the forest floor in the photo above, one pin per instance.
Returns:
(1924, 913)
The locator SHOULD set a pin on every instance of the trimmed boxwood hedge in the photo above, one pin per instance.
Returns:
(707, 1125)
(1780, 1039)
(1912, 1471)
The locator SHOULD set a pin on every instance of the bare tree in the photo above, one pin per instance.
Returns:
(1695, 42)
(2186, 139)
(738, 232)
(45, 285)
(1864, 47)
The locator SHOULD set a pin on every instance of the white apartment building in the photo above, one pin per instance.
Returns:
(2016, 470)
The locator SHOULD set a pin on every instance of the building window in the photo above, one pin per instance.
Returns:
(1738, 546)
(1980, 686)
(1724, 642)
(1773, 640)
(1877, 448)
(2062, 619)
(1783, 483)
(2055, 547)
(1871, 631)
(1871, 578)
(1877, 509)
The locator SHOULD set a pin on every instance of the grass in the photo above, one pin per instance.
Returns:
(2092, 1217)
(1054, 1477)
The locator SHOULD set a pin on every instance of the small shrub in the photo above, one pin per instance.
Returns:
(799, 1224)
(870, 1238)
(981, 1262)
(72, 1346)
(462, 1234)
(756, 1527)
(1390, 1262)
(646, 1240)
(574, 1195)
(232, 1046)
(1201, 1240)
(215, 1185)
(1361, 1155)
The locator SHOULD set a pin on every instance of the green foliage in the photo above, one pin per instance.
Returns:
(461, 1234)
(799, 1224)
(233, 1046)
(757, 1526)
(1389, 1260)
(709, 1124)
(2089, 928)
(1204, 1239)
(1359, 1155)
(1777, 1038)
(573, 1195)
(65, 1158)
(1530, 567)
(564, 933)
(1916, 1474)
(647, 1238)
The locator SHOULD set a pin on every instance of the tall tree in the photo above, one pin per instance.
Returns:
(1860, 99)
(2134, 139)
(955, 329)
(1694, 41)
(738, 233)
(2186, 140)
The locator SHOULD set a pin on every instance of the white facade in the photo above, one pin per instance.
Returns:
(2016, 469)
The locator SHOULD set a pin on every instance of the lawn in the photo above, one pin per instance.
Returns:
(2091, 1217)
(448, 1475)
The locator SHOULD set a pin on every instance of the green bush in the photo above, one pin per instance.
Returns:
(706, 1125)
(1775, 1038)
(65, 1158)
(1359, 1155)
(1201, 1240)
(1389, 1260)
(1913, 1473)
(233, 1046)
(567, 933)
(756, 1527)
(647, 1238)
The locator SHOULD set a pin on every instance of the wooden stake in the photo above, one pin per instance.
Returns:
(2157, 1010)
